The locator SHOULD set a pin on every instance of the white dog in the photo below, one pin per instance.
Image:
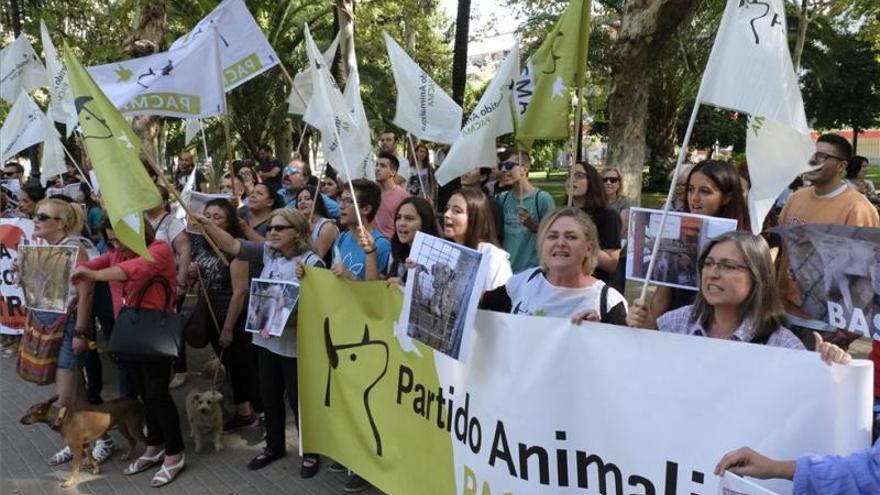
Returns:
(205, 416)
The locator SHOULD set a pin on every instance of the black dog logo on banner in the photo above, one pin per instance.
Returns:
(362, 363)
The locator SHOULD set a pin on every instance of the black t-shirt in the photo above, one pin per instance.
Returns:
(608, 225)
(181, 178)
(273, 183)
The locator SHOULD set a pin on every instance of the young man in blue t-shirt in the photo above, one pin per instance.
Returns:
(363, 256)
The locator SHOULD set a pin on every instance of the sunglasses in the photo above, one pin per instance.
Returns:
(278, 228)
(611, 180)
(43, 217)
(507, 165)
(10, 174)
(291, 170)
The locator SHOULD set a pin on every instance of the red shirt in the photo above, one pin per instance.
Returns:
(139, 271)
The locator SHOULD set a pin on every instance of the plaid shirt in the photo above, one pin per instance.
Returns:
(679, 321)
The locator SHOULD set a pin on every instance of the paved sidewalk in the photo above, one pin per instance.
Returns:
(24, 450)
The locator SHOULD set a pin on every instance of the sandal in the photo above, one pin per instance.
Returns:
(63, 456)
(143, 463)
(166, 474)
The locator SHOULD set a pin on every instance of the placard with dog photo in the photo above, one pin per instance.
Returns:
(442, 294)
(196, 204)
(270, 306)
(684, 235)
(45, 276)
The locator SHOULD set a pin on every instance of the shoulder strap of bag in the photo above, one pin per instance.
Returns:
(166, 288)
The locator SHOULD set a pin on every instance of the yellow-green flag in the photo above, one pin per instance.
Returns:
(543, 89)
(114, 150)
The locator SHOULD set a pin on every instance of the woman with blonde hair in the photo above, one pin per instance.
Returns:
(288, 242)
(564, 285)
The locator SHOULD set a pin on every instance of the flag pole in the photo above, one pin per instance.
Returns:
(577, 150)
(412, 148)
(78, 169)
(357, 210)
(682, 153)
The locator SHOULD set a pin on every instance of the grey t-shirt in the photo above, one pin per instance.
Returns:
(277, 267)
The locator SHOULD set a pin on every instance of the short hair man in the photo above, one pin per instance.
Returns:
(361, 263)
(392, 192)
(388, 144)
(269, 167)
(185, 165)
(523, 206)
(13, 170)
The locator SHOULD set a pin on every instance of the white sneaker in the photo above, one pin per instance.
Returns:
(102, 451)
(62, 456)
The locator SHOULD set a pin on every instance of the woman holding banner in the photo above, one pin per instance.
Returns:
(713, 189)
(738, 299)
(288, 242)
(564, 285)
(226, 287)
(468, 221)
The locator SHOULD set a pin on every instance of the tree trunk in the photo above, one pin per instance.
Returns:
(460, 55)
(345, 19)
(146, 38)
(803, 21)
(855, 140)
(645, 27)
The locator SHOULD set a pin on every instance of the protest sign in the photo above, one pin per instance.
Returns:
(442, 294)
(270, 305)
(14, 233)
(244, 51)
(186, 82)
(544, 407)
(684, 236)
(196, 203)
(69, 190)
(45, 276)
(837, 269)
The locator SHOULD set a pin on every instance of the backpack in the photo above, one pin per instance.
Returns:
(603, 296)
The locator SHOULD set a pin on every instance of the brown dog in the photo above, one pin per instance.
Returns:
(79, 428)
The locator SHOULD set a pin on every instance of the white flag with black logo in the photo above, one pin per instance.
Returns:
(301, 92)
(20, 69)
(61, 107)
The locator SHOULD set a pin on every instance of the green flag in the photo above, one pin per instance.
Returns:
(114, 150)
(543, 89)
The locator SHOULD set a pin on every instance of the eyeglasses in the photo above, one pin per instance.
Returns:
(507, 165)
(43, 217)
(820, 157)
(724, 267)
(346, 200)
(278, 228)
(611, 180)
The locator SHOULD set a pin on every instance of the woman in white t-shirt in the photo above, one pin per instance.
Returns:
(468, 221)
(563, 286)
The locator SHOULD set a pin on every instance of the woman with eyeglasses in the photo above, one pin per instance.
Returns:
(587, 193)
(468, 221)
(227, 286)
(324, 231)
(288, 242)
(738, 300)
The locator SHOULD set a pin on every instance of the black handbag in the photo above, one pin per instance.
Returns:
(141, 334)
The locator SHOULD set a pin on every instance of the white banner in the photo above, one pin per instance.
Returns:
(750, 70)
(20, 69)
(492, 117)
(244, 51)
(61, 106)
(185, 83)
(14, 232)
(423, 108)
(25, 126)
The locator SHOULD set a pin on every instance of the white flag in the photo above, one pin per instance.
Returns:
(61, 107)
(750, 70)
(23, 127)
(20, 69)
(329, 113)
(423, 108)
(244, 51)
(301, 92)
(492, 117)
(186, 82)
(192, 127)
(52, 162)
(364, 164)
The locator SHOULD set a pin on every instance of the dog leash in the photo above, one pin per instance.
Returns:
(204, 291)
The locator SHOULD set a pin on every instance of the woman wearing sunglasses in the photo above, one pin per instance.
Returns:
(738, 300)
(288, 242)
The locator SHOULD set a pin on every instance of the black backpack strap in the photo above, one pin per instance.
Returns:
(603, 303)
